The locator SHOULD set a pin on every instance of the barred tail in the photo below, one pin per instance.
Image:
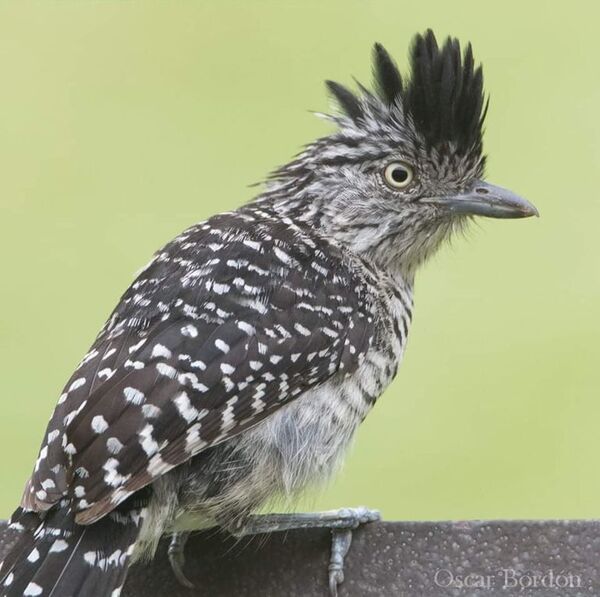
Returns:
(56, 557)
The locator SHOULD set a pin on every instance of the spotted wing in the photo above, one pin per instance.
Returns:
(231, 321)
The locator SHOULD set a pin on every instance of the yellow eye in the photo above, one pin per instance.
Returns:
(398, 175)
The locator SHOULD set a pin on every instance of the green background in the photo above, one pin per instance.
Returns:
(121, 123)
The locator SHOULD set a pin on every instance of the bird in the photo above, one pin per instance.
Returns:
(240, 362)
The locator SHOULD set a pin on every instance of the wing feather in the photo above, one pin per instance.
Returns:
(229, 322)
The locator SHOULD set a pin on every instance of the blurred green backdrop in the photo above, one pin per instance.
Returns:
(123, 122)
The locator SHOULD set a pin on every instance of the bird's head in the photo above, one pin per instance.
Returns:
(404, 168)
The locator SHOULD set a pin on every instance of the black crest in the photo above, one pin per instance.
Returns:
(444, 94)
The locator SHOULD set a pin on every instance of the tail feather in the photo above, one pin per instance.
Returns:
(25, 523)
(60, 558)
(38, 554)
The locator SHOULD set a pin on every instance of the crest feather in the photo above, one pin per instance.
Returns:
(388, 80)
(348, 102)
(444, 94)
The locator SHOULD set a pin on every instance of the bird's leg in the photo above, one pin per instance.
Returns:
(176, 554)
(341, 523)
(341, 540)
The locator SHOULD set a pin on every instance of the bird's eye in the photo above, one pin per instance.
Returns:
(398, 175)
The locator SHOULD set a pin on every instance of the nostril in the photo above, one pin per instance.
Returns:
(481, 190)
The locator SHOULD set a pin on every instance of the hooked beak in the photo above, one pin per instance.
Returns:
(485, 199)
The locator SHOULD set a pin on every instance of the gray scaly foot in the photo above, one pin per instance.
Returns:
(341, 522)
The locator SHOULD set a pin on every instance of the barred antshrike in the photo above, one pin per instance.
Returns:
(241, 361)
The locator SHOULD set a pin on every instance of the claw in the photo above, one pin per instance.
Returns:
(334, 581)
(176, 553)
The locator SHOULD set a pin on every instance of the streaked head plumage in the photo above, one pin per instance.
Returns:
(404, 167)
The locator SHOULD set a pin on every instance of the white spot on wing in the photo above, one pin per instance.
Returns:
(111, 476)
(161, 351)
(150, 411)
(282, 255)
(109, 353)
(135, 364)
(189, 330)
(99, 424)
(58, 546)
(301, 329)
(107, 373)
(88, 357)
(228, 418)
(48, 484)
(90, 557)
(148, 443)
(251, 244)
(246, 327)
(32, 590)
(77, 384)
(218, 288)
(134, 396)
(185, 408)
(222, 346)
(114, 445)
(166, 370)
(137, 346)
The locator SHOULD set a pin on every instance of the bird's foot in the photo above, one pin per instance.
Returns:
(341, 522)
(340, 544)
(176, 553)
